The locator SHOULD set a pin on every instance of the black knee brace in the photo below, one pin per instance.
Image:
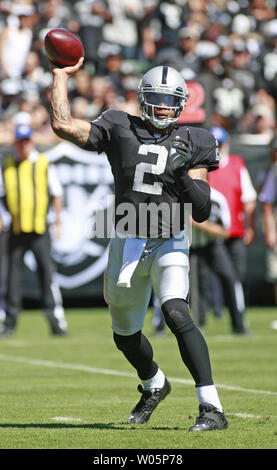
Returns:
(127, 343)
(177, 316)
(138, 351)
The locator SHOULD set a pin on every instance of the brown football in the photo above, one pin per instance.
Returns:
(62, 47)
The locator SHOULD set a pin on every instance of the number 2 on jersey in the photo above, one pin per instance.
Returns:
(154, 169)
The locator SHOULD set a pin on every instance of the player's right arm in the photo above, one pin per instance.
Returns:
(62, 122)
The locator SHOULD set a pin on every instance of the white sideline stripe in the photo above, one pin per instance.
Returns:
(65, 418)
(244, 415)
(94, 370)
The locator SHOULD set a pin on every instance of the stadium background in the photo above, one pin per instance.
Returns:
(160, 27)
(81, 259)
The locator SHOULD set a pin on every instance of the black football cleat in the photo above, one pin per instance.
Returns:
(148, 402)
(209, 419)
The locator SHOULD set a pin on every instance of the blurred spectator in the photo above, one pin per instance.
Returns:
(260, 119)
(264, 121)
(91, 17)
(171, 15)
(241, 71)
(99, 87)
(184, 57)
(81, 86)
(268, 58)
(122, 30)
(261, 11)
(268, 198)
(80, 108)
(81, 96)
(146, 20)
(28, 230)
(110, 63)
(33, 74)
(227, 48)
(213, 258)
(112, 100)
(237, 91)
(28, 103)
(232, 179)
(209, 55)
(52, 14)
(148, 47)
(10, 96)
(209, 76)
(197, 15)
(130, 105)
(16, 40)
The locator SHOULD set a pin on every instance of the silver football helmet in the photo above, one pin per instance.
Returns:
(162, 87)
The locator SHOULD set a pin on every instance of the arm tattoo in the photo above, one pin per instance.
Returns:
(51, 114)
(64, 111)
(81, 135)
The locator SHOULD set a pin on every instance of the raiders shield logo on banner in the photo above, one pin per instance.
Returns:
(81, 252)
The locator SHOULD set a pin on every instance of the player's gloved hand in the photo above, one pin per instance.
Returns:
(180, 155)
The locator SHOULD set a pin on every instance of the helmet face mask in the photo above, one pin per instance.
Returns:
(162, 88)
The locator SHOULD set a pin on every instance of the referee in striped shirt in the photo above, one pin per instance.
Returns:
(28, 184)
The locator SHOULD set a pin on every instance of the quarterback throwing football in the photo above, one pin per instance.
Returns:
(154, 162)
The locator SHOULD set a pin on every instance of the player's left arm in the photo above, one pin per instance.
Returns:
(192, 182)
(195, 189)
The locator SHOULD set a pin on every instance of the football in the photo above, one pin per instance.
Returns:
(62, 47)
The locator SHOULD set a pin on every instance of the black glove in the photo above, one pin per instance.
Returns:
(180, 155)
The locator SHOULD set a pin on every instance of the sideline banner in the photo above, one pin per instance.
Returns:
(80, 257)
(87, 182)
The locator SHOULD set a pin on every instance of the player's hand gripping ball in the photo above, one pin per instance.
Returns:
(62, 47)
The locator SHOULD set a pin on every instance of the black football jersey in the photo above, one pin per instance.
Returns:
(146, 195)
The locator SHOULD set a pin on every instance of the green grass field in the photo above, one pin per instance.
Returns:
(76, 392)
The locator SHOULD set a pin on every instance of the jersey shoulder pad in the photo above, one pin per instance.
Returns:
(115, 116)
(201, 137)
(204, 149)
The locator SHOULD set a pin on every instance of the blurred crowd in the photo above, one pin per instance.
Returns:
(225, 50)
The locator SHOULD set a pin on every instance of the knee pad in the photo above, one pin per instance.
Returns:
(127, 343)
(177, 316)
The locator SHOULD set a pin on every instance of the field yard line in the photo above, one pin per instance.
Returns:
(94, 370)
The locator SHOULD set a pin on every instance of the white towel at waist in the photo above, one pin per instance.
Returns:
(132, 251)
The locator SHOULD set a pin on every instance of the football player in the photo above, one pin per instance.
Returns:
(154, 161)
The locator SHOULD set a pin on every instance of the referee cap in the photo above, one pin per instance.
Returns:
(23, 131)
(220, 134)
